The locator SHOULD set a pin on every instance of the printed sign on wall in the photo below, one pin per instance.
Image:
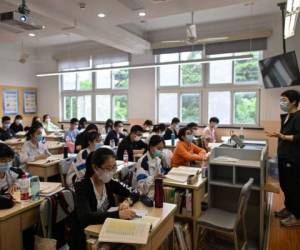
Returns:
(10, 102)
(30, 102)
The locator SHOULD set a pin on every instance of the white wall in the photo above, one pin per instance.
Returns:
(12, 72)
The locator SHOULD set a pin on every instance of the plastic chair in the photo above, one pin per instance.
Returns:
(225, 222)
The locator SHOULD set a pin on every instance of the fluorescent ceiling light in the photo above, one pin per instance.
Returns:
(147, 66)
(101, 15)
(142, 13)
(31, 34)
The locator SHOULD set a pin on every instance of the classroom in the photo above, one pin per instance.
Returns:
(149, 124)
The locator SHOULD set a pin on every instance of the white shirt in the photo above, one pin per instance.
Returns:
(29, 151)
(8, 180)
(102, 200)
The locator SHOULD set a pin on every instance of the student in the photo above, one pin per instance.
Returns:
(48, 125)
(81, 138)
(82, 124)
(6, 132)
(116, 134)
(288, 151)
(148, 125)
(34, 149)
(35, 119)
(150, 166)
(17, 125)
(158, 129)
(174, 127)
(185, 151)
(108, 126)
(73, 131)
(131, 142)
(210, 132)
(78, 168)
(8, 177)
(94, 195)
(193, 127)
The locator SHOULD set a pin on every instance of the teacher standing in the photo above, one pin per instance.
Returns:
(288, 152)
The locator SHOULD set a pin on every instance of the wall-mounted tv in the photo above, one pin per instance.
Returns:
(280, 71)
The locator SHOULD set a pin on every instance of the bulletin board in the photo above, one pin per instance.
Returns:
(10, 102)
(29, 102)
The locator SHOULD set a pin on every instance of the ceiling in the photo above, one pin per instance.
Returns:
(122, 28)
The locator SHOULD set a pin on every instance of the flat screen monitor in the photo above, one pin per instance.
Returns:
(280, 71)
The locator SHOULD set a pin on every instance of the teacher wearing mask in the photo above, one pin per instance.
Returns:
(288, 152)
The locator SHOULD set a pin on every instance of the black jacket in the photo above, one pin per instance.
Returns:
(86, 208)
(6, 134)
(112, 135)
(288, 149)
(16, 128)
(127, 144)
(81, 139)
(168, 133)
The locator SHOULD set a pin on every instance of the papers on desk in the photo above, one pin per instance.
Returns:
(181, 174)
(138, 212)
(50, 159)
(48, 188)
(125, 231)
(226, 159)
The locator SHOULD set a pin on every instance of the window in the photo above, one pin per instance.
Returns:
(219, 105)
(120, 76)
(120, 107)
(190, 107)
(103, 78)
(220, 72)
(103, 107)
(191, 74)
(168, 106)
(84, 81)
(77, 106)
(245, 108)
(69, 81)
(70, 107)
(169, 74)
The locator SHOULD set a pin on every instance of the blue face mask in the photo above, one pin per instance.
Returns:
(39, 138)
(189, 138)
(284, 106)
(98, 145)
(6, 125)
(5, 166)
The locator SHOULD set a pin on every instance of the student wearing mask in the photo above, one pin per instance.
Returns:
(131, 142)
(82, 137)
(174, 127)
(186, 151)
(94, 195)
(116, 134)
(73, 131)
(210, 132)
(17, 125)
(158, 129)
(148, 125)
(6, 132)
(34, 149)
(48, 125)
(35, 119)
(149, 166)
(108, 126)
(78, 168)
(288, 152)
(82, 124)
(8, 177)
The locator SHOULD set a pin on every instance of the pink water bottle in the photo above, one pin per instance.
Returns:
(125, 157)
(158, 192)
(24, 188)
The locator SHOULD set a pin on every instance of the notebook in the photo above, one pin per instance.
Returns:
(125, 231)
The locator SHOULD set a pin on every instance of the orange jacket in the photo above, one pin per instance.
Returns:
(185, 153)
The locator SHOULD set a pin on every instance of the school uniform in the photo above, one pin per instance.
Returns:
(168, 134)
(6, 134)
(113, 135)
(71, 135)
(16, 127)
(127, 144)
(29, 151)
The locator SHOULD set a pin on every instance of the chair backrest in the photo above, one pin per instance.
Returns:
(55, 209)
(64, 166)
(243, 199)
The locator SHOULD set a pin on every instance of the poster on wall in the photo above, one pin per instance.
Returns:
(30, 102)
(10, 102)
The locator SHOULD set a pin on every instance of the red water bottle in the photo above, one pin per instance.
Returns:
(158, 192)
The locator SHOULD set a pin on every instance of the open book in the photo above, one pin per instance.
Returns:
(125, 231)
(181, 174)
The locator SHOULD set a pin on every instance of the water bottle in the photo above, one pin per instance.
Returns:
(66, 149)
(35, 188)
(62, 126)
(112, 143)
(173, 138)
(125, 157)
(158, 193)
(242, 137)
(24, 188)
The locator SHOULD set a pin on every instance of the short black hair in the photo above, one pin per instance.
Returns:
(175, 120)
(292, 95)
(136, 128)
(155, 140)
(182, 132)
(82, 120)
(97, 158)
(35, 126)
(73, 121)
(5, 118)
(45, 116)
(18, 117)
(90, 137)
(34, 119)
(148, 123)
(6, 151)
(159, 127)
(91, 126)
(109, 122)
(214, 119)
(192, 125)
(117, 123)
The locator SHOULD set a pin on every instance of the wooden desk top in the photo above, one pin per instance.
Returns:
(162, 213)
(54, 135)
(54, 145)
(51, 160)
(22, 206)
(14, 141)
(201, 181)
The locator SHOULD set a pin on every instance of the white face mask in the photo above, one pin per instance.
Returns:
(18, 122)
(105, 175)
(48, 120)
(5, 166)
